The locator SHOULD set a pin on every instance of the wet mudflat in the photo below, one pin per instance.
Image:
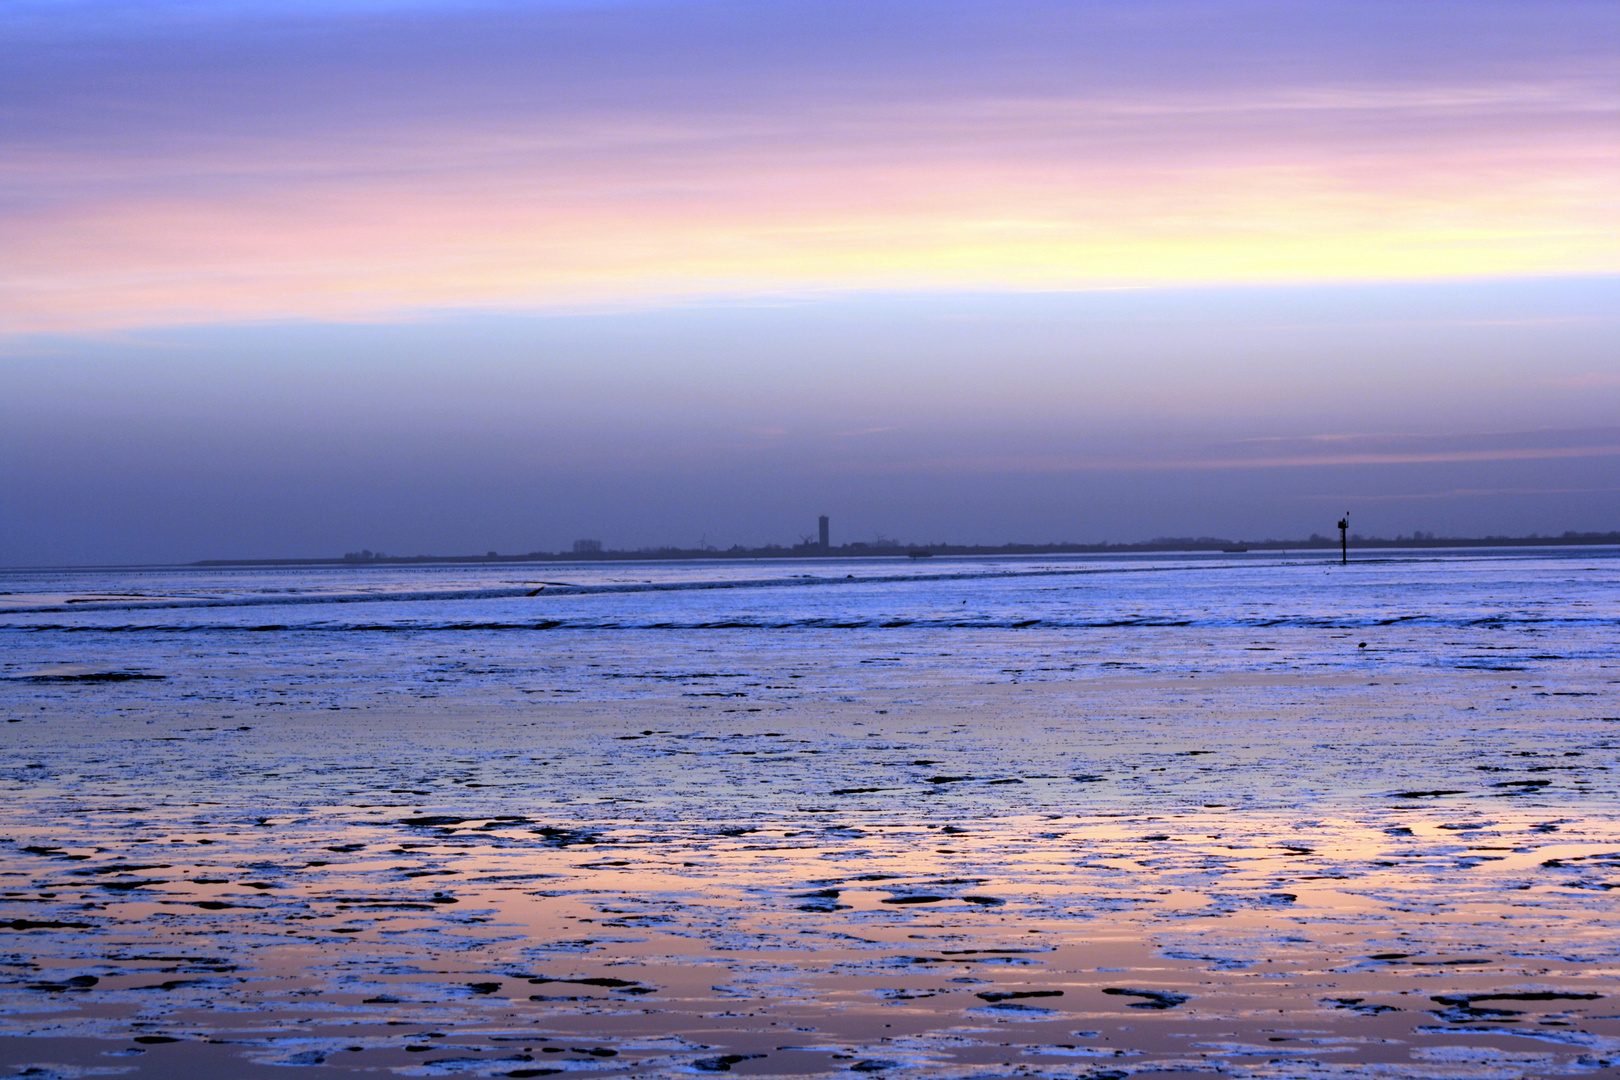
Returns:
(1270, 877)
(1090, 819)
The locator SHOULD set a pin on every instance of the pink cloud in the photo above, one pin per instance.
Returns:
(362, 178)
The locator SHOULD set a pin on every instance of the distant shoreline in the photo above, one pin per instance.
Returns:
(859, 550)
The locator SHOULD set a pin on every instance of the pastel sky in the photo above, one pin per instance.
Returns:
(299, 277)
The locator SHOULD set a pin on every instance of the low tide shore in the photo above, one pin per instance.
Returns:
(1251, 872)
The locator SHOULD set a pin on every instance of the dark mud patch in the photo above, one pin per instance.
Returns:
(1153, 999)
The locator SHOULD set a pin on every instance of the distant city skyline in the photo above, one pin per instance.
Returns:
(880, 546)
(297, 278)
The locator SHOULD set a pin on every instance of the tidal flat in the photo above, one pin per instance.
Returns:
(1327, 847)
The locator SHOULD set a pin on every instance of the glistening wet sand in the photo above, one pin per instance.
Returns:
(1258, 873)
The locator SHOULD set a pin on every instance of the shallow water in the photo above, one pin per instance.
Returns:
(970, 818)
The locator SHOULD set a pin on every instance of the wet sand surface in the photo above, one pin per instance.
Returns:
(1360, 873)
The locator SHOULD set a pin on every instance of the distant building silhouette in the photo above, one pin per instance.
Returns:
(826, 545)
(587, 547)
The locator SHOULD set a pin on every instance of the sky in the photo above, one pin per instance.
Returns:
(297, 278)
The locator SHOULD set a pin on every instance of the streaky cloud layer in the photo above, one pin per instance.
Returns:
(213, 163)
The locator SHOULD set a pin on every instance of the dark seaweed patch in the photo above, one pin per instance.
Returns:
(44, 924)
(1013, 995)
(1467, 1000)
(1156, 999)
(723, 1063)
(77, 982)
(86, 677)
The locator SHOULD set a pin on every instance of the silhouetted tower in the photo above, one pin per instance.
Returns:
(826, 545)
(1344, 541)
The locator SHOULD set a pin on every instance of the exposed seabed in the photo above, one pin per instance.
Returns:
(1251, 875)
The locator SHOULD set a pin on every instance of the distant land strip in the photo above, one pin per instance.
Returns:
(860, 550)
